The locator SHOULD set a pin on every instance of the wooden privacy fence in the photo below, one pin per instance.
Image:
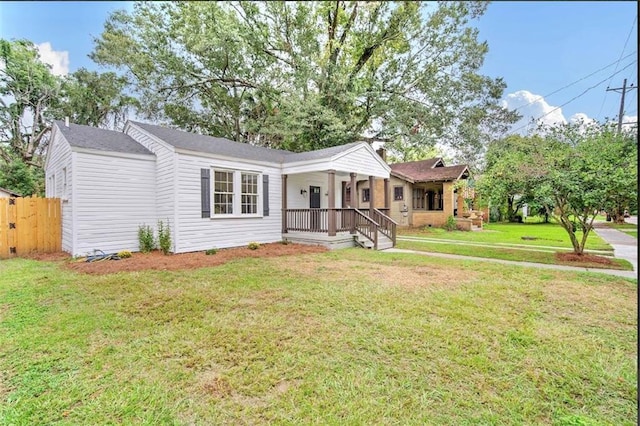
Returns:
(29, 225)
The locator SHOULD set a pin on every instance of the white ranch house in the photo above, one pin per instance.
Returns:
(212, 192)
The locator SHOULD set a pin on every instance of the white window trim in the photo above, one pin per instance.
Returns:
(237, 194)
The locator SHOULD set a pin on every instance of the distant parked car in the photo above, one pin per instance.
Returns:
(626, 213)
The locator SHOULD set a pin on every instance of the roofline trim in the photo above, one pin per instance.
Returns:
(157, 139)
(51, 139)
(109, 153)
(275, 165)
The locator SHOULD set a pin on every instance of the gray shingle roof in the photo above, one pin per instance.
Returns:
(222, 146)
(100, 139)
(319, 154)
(109, 140)
(212, 145)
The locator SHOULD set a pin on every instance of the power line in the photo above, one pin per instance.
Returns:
(574, 98)
(619, 59)
(577, 81)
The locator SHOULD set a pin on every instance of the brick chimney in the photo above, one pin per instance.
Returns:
(382, 153)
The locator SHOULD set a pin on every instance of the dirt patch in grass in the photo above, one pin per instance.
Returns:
(172, 262)
(433, 277)
(585, 260)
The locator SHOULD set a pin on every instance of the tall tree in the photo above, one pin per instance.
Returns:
(31, 97)
(585, 171)
(509, 178)
(95, 99)
(28, 100)
(304, 75)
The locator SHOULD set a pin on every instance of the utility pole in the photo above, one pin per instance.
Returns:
(624, 89)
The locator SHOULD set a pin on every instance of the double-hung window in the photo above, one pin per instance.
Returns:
(233, 193)
(249, 193)
(223, 192)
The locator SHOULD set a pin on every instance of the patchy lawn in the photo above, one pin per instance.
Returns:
(343, 337)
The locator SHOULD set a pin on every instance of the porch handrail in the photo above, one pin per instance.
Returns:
(367, 227)
(309, 220)
(387, 225)
(317, 220)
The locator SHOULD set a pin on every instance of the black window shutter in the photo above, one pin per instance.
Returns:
(205, 192)
(265, 195)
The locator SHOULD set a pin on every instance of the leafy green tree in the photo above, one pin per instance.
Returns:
(31, 97)
(584, 171)
(28, 101)
(95, 99)
(509, 177)
(304, 75)
(22, 178)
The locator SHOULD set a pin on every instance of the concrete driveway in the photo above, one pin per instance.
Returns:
(624, 246)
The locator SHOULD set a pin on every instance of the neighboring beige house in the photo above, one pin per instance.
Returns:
(418, 193)
(6, 193)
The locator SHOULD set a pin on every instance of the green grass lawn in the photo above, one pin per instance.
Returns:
(504, 253)
(345, 337)
(545, 234)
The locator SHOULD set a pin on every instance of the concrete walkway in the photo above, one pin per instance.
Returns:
(624, 247)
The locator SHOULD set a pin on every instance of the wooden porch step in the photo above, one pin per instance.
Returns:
(383, 242)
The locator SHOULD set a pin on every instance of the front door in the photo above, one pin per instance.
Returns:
(314, 203)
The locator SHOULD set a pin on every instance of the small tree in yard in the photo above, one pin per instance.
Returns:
(581, 172)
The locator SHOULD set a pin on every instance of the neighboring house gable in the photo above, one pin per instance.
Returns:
(7, 193)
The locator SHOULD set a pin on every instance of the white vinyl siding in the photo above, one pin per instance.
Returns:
(166, 195)
(297, 183)
(114, 196)
(59, 160)
(361, 159)
(235, 230)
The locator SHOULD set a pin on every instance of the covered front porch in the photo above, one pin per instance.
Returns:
(319, 206)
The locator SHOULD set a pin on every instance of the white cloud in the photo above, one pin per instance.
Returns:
(58, 59)
(630, 119)
(532, 107)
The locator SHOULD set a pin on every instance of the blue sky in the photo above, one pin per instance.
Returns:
(536, 47)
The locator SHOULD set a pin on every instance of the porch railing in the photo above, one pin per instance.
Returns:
(317, 220)
(344, 220)
(367, 227)
(387, 226)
